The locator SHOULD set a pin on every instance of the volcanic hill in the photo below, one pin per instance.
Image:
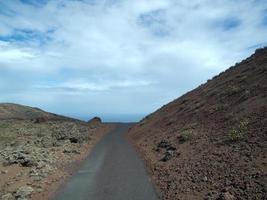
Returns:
(21, 112)
(211, 143)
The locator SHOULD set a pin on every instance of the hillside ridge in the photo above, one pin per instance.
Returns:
(210, 143)
(23, 112)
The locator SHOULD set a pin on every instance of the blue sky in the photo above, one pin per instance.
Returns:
(120, 59)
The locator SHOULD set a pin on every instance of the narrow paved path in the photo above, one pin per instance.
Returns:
(112, 172)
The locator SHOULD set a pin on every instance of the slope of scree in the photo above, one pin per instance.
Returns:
(211, 142)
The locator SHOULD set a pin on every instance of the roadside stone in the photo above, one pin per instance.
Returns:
(163, 144)
(36, 178)
(40, 165)
(4, 171)
(39, 190)
(171, 148)
(68, 151)
(168, 155)
(95, 122)
(226, 196)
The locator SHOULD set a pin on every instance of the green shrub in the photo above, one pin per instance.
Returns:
(3, 125)
(186, 136)
(238, 132)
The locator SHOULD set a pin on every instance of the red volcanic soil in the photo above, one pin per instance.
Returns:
(211, 143)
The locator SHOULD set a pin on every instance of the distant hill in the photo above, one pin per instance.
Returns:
(16, 111)
(211, 143)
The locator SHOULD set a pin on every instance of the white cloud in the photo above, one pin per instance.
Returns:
(8, 53)
(81, 86)
(154, 49)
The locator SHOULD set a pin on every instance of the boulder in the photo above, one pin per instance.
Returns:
(168, 155)
(95, 122)
(4, 172)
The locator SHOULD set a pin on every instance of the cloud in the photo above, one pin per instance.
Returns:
(9, 53)
(120, 56)
(85, 86)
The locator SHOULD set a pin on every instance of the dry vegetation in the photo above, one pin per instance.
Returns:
(39, 150)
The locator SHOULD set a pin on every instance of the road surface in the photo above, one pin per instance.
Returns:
(112, 172)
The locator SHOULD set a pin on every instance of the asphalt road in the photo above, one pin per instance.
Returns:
(112, 172)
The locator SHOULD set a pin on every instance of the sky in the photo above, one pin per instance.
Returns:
(120, 59)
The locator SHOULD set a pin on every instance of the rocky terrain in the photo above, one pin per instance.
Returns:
(39, 150)
(16, 111)
(211, 143)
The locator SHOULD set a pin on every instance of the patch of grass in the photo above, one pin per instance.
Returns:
(233, 90)
(186, 136)
(190, 126)
(238, 132)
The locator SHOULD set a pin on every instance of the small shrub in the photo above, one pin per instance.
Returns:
(233, 90)
(186, 136)
(218, 108)
(3, 125)
(238, 132)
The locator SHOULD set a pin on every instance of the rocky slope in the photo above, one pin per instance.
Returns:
(211, 143)
(16, 111)
(37, 149)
